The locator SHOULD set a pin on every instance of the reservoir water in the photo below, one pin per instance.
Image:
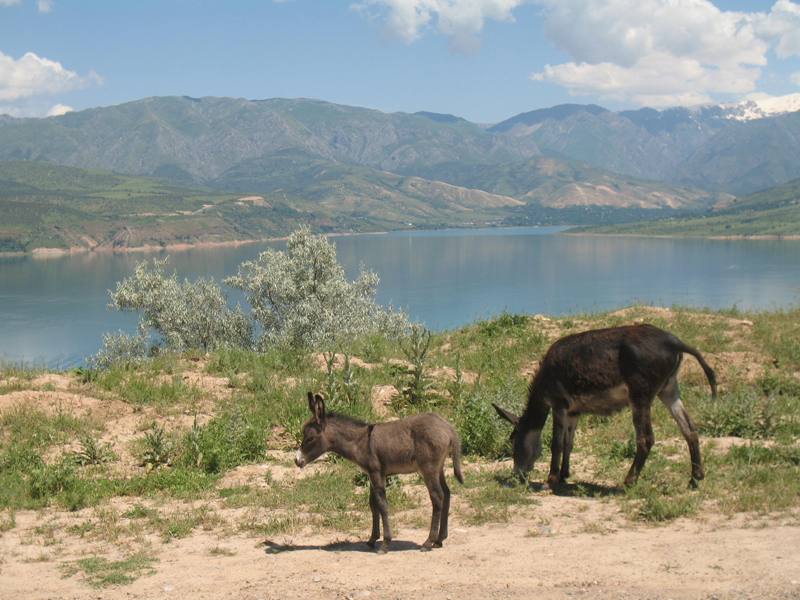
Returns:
(54, 311)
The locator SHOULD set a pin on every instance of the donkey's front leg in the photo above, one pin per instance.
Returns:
(569, 440)
(557, 447)
(644, 438)
(378, 481)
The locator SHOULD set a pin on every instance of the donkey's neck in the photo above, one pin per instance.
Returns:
(536, 411)
(350, 440)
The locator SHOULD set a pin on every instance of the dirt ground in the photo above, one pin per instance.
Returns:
(744, 557)
(559, 547)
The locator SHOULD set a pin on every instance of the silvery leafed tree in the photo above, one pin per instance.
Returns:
(301, 298)
(185, 315)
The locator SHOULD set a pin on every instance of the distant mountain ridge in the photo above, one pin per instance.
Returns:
(708, 147)
(227, 143)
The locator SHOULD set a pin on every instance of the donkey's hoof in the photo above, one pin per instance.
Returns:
(372, 543)
(383, 548)
(425, 548)
(553, 482)
(437, 544)
(693, 484)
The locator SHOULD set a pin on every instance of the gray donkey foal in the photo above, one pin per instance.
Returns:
(416, 444)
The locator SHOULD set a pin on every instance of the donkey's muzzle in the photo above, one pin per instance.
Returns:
(299, 459)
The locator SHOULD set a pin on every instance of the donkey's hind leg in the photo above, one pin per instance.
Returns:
(445, 511)
(671, 397)
(376, 517)
(437, 500)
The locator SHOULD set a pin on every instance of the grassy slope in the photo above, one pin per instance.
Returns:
(49, 206)
(773, 212)
(237, 396)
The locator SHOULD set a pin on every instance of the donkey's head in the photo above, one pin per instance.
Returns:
(526, 441)
(315, 441)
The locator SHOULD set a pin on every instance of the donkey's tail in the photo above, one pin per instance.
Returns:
(710, 375)
(455, 451)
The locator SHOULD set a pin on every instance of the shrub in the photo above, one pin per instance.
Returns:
(226, 441)
(92, 452)
(187, 315)
(741, 414)
(418, 340)
(157, 447)
(46, 481)
(118, 349)
(481, 432)
(302, 298)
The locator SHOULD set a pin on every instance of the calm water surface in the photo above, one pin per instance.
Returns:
(54, 311)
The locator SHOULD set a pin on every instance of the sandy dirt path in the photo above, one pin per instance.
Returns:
(682, 560)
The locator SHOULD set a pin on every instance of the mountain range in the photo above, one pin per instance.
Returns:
(358, 168)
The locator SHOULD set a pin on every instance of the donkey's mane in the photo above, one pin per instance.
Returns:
(347, 419)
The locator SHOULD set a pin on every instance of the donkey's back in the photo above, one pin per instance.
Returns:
(417, 442)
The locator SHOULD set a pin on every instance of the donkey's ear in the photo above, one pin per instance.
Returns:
(311, 403)
(319, 411)
(504, 414)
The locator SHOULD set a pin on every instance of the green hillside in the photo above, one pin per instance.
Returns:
(49, 206)
(773, 212)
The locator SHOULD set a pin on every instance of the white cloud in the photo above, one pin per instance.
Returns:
(664, 52)
(58, 110)
(44, 6)
(460, 20)
(654, 52)
(33, 75)
(8, 2)
(781, 26)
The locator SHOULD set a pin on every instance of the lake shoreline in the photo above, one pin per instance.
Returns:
(744, 238)
(47, 253)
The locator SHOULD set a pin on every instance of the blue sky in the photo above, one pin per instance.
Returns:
(482, 59)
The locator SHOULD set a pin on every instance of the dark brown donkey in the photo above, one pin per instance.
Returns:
(416, 444)
(601, 372)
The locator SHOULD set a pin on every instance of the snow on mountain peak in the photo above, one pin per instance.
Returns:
(763, 107)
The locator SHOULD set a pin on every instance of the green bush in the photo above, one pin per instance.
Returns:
(503, 325)
(741, 413)
(228, 440)
(158, 447)
(481, 432)
(46, 481)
